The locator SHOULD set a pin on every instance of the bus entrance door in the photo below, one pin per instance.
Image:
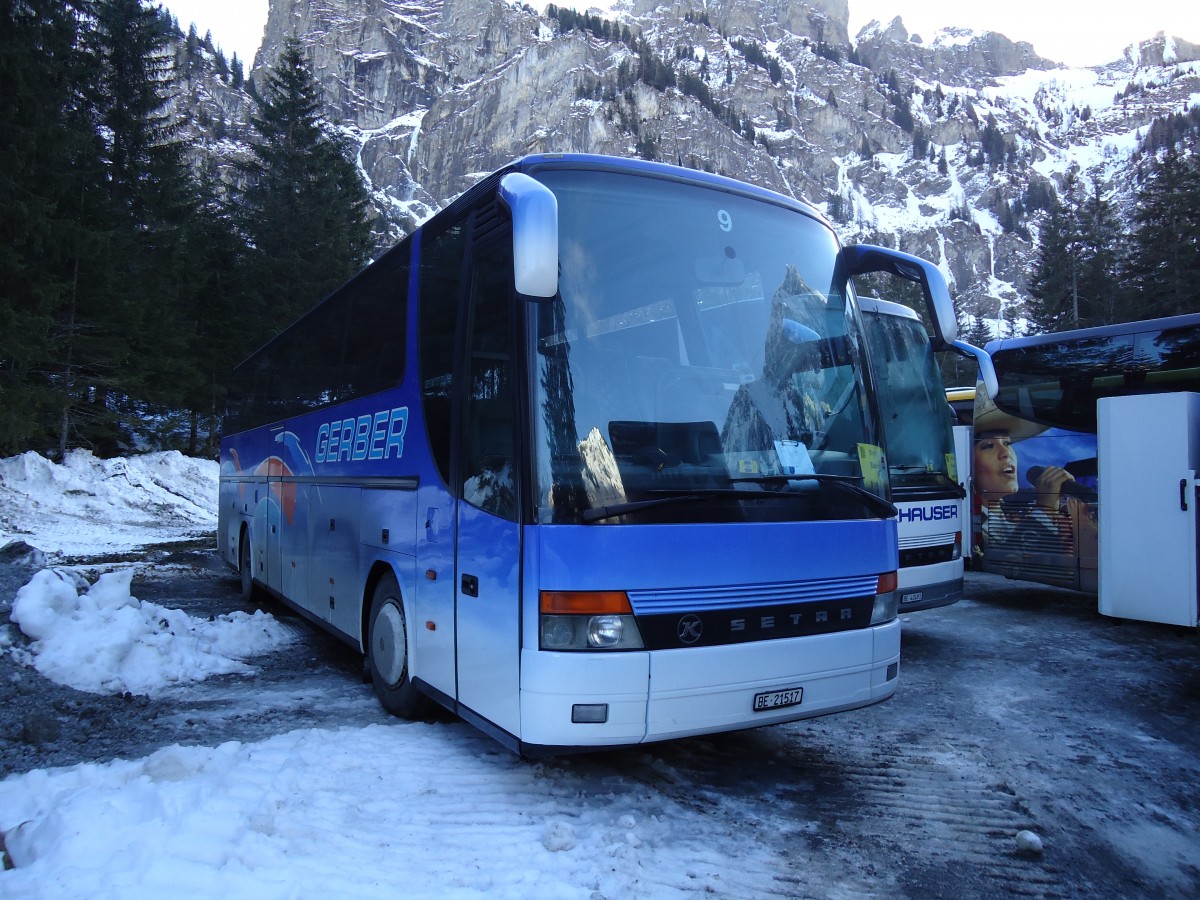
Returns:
(487, 584)
(488, 617)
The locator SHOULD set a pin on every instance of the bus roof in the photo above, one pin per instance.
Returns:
(1056, 379)
(1099, 331)
(600, 163)
(887, 308)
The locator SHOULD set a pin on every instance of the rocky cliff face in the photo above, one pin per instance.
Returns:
(954, 55)
(886, 133)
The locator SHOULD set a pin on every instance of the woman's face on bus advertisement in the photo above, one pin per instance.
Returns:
(995, 464)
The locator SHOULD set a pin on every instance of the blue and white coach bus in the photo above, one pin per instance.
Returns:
(922, 465)
(591, 458)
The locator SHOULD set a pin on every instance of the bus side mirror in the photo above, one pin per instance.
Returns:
(987, 372)
(862, 259)
(534, 210)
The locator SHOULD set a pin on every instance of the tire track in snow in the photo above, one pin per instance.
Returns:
(947, 818)
(848, 822)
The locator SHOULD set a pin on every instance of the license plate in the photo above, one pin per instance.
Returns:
(777, 699)
(914, 597)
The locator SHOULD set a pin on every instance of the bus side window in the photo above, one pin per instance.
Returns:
(489, 464)
(441, 263)
(375, 338)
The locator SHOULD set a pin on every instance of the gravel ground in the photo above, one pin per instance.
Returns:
(1020, 709)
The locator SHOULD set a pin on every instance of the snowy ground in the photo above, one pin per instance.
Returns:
(203, 748)
(89, 507)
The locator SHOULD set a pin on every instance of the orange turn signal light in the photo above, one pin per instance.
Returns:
(887, 582)
(585, 603)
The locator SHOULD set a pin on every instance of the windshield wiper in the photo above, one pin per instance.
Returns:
(941, 483)
(846, 482)
(595, 514)
(784, 479)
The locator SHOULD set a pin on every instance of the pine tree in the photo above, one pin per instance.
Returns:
(304, 211)
(100, 243)
(222, 322)
(978, 332)
(134, 101)
(43, 141)
(1101, 288)
(1075, 282)
(1164, 262)
(125, 344)
(191, 49)
(1054, 279)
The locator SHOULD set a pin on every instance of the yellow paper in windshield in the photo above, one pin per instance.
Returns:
(870, 458)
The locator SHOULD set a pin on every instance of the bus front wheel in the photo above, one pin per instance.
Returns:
(246, 570)
(387, 653)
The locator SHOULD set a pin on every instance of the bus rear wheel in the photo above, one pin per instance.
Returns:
(387, 653)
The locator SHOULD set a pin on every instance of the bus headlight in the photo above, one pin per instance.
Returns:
(609, 631)
(558, 632)
(587, 620)
(885, 608)
(590, 633)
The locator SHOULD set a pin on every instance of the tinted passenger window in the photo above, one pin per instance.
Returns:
(350, 345)
(489, 465)
(374, 358)
(441, 276)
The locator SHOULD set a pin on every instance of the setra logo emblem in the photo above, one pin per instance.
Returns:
(689, 629)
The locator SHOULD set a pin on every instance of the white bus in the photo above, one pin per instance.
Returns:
(922, 465)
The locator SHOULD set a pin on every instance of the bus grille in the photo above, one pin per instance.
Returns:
(926, 540)
(739, 596)
(924, 556)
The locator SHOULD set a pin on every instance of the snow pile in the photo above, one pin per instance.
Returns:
(93, 506)
(410, 810)
(101, 639)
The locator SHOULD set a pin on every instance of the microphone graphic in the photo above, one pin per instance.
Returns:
(1070, 488)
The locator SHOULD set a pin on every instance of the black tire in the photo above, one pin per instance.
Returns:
(387, 653)
(246, 570)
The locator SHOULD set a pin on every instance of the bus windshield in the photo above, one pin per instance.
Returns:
(920, 444)
(699, 364)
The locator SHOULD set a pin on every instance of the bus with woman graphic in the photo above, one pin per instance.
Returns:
(1035, 467)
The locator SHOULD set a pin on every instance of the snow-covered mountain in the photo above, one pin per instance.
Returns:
(946, 145)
